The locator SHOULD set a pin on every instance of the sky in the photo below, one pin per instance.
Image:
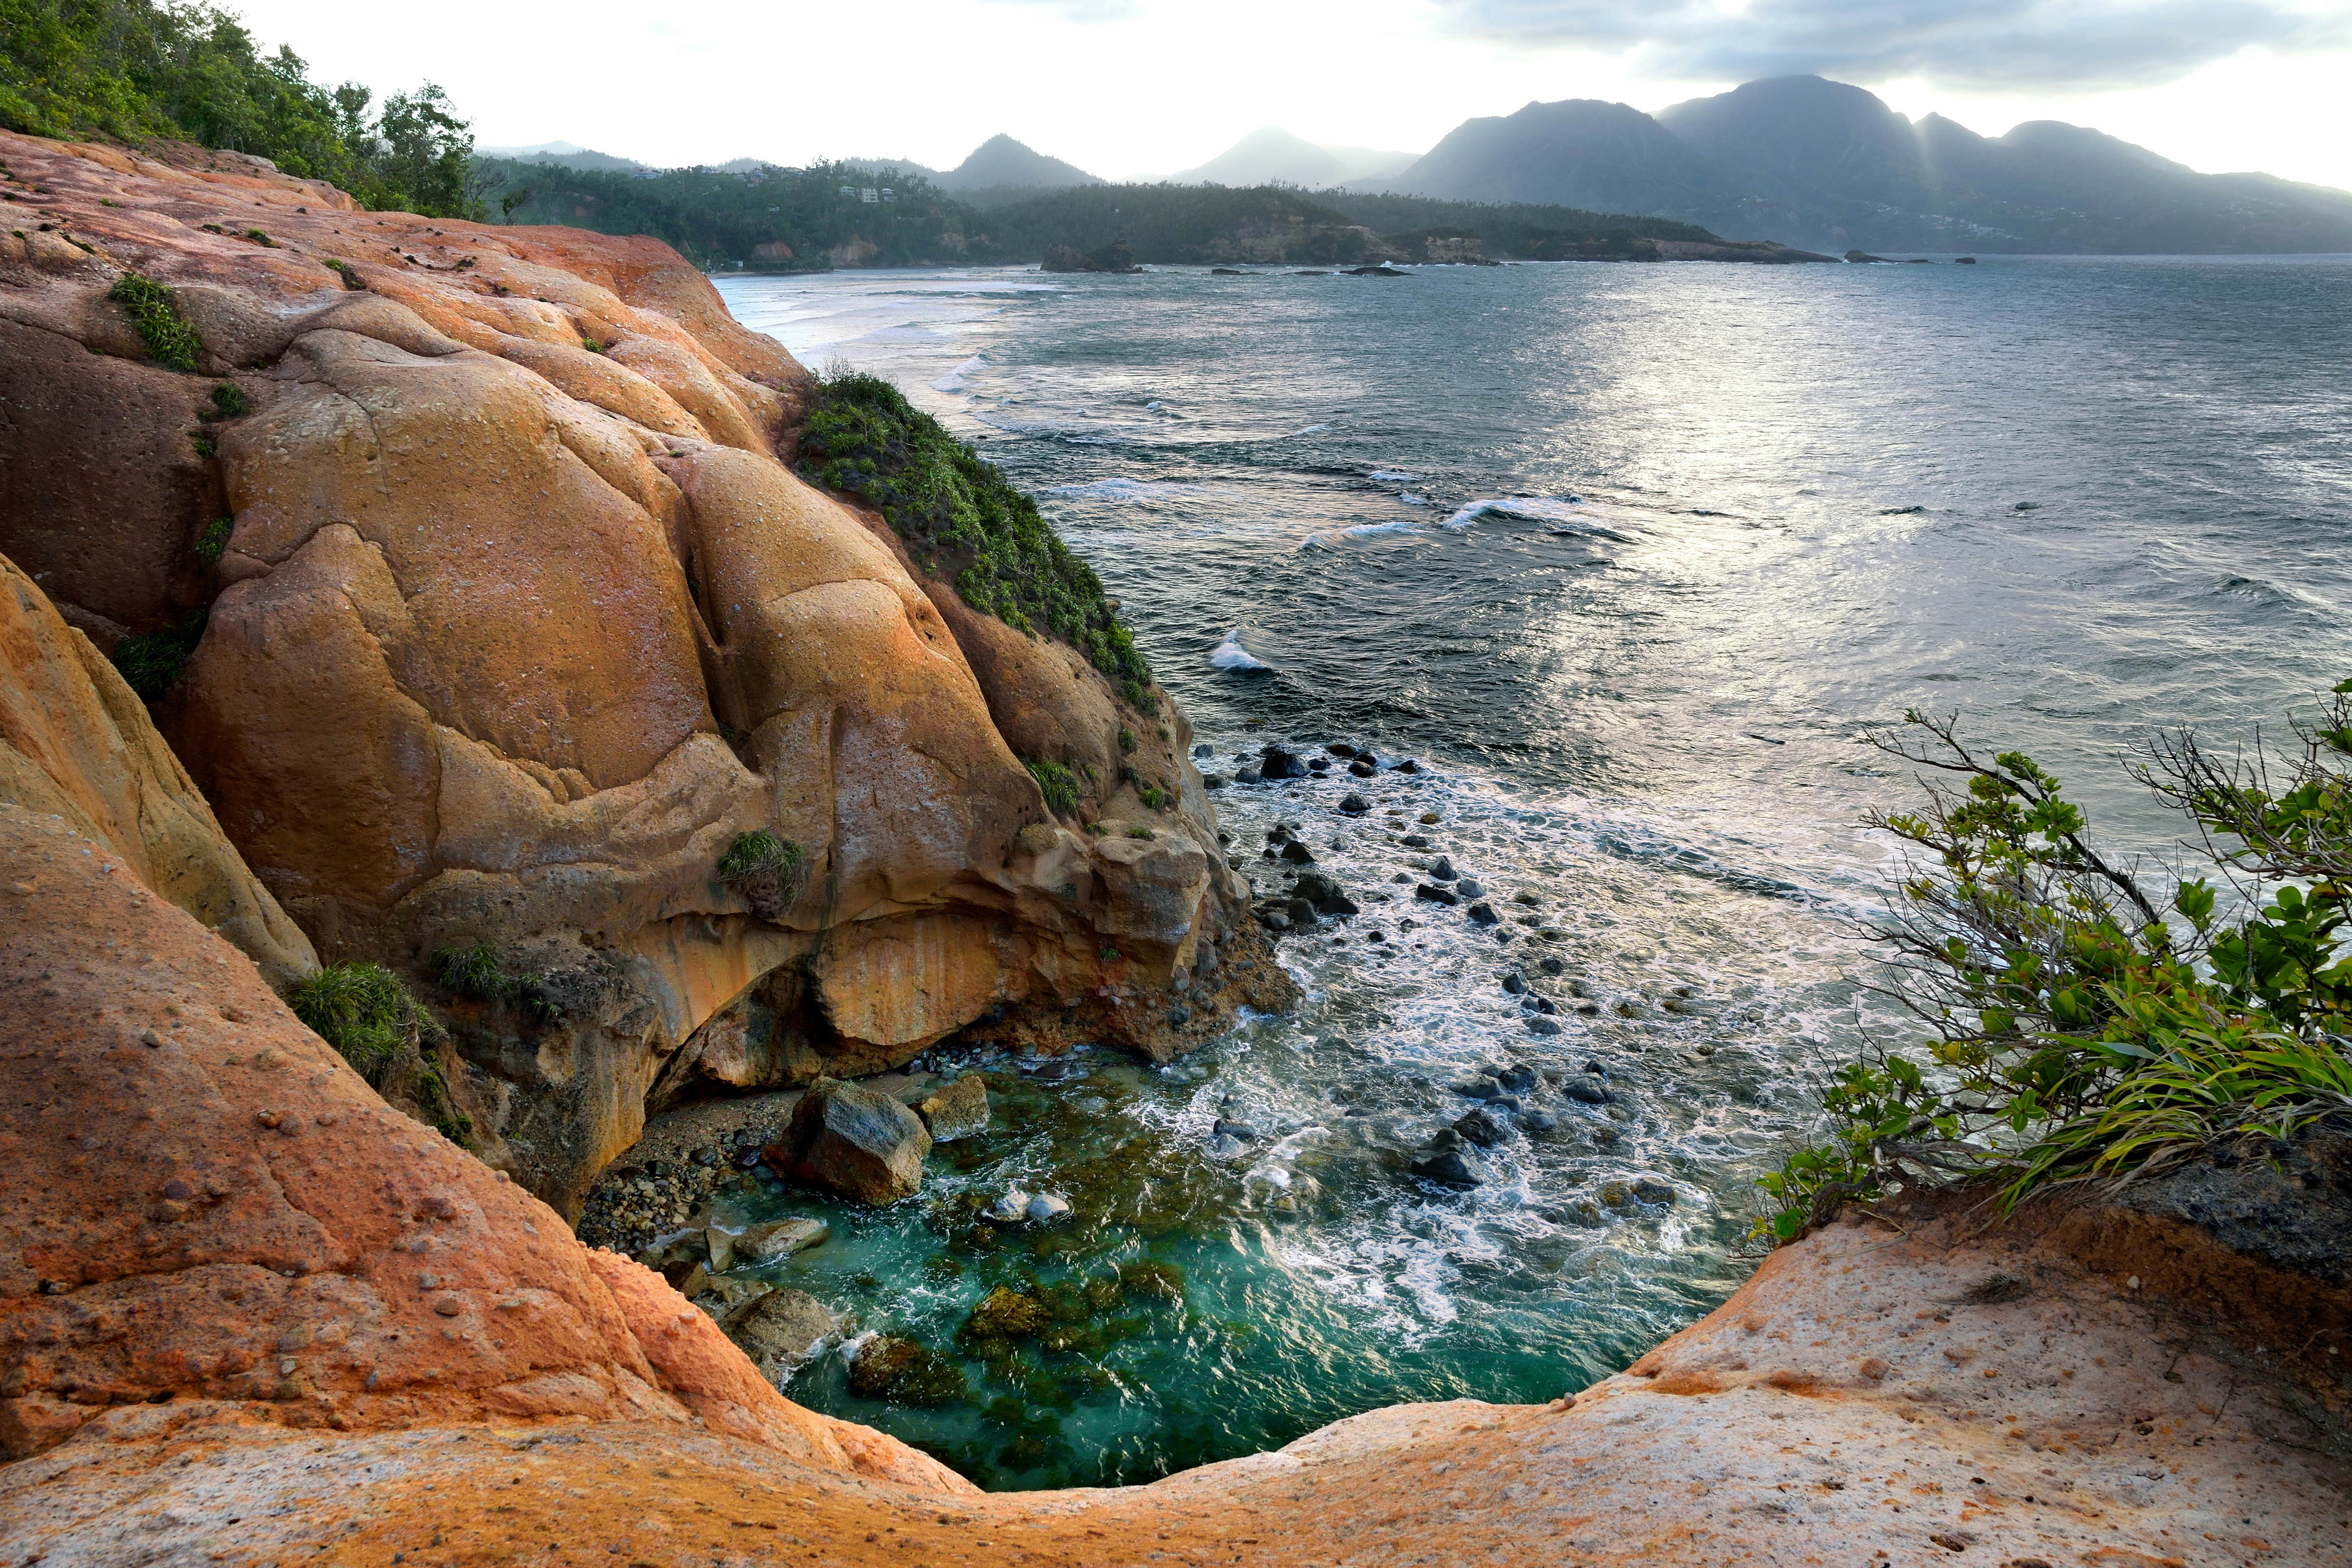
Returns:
(1130, 87)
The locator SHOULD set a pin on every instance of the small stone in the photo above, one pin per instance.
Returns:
(1408, 766)
(1273, 920)
(1538, 1121)
(1340, 749)
(1515, 983)
(1539, 1025)
(1444, 871)
(1435, 894)
(1583, 1090)
(1011, 1206)
(1550, 965)
(1297, 853)
(1470, 888)
(1045, 1206)
(1361, 769)
(779, 1238)
(1178, 1017)
(1483, 913)
(1353, 805)
(449, 1305)
(1249, 775)
(1518, 1077)
(1484, 1086)
(1414, 841)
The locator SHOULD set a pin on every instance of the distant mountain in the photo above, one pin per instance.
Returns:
(1828, 166)
(1274, 156)
(1000, 162)
(1583, 152)
(894, 165)
(569, 155)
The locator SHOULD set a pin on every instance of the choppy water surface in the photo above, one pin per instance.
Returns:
(1627, 557)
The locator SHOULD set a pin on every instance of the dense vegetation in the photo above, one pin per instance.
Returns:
(132, 70)
(388, 1036)
(2089, 1026)
(958, 519)
(775, 219)
(768, 219)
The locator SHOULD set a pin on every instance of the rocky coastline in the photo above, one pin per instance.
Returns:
(478, 618)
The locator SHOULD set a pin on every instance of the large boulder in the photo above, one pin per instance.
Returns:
(511, 640)
(847, 1139)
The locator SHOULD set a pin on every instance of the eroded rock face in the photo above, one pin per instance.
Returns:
(206, 1215)
(77, 745)
(512, 638)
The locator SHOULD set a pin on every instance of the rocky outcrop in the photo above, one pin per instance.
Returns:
(520, 621)
(77, 747)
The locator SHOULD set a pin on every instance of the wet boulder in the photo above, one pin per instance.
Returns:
(1435, 894)
(1459, 1167)
(783, 1327)
(959, 1111)
(778, 1239)
(847, 1139)
(904, 1373)
(1353, 805)
(1482, 1128)
(1323, 892)
(1278, 763)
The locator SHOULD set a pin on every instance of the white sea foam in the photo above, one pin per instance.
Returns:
(1230, 654)
(1123, 489)
(1392, 475)
(1411, 500)
(1541, 509)
(1308, 430)
(956, 380)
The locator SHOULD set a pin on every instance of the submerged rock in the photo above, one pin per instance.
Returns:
(847, 1139)
(1481, 1128)
(904, 1373)
(1454, 1168)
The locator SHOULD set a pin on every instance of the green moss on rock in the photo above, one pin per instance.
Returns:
(946, 502)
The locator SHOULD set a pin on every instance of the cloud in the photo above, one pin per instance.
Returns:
(1993, 44)
(1081, 10)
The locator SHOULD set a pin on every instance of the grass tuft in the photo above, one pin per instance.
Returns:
(366, 1014)
(1058, 785)
(213, 542)
(151, 663)
(170, 342)
(769, 872)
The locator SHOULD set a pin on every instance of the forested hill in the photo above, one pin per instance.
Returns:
(774, 219)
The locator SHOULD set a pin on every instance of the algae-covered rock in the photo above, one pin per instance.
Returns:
(849, 1140)
(959, 1111)
(904, 1373)
(1005, 1314)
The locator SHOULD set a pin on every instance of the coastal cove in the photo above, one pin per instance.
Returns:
(1624, 558)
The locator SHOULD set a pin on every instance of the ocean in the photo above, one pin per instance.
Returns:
(1629, 559)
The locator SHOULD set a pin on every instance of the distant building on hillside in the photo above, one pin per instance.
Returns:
(869, 196)
(889, 195)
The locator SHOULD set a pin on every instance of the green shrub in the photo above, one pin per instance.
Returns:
(2090, 1028)
(261, 237)
(366, 1014)
(151, 663)
(594, 345)
(863, 438)
(213, 542)
(1138, 831)
(1060, 788)
(473, 972)
(170, 342)
(1126, 739)
(1155, 797)
(228, 401)
(767, 871)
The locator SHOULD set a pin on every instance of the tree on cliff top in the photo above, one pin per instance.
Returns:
(135, 69)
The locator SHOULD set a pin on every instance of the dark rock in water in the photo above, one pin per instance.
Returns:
(1227, 272)
(1863, 256)
(1382, 270)
(1414, 841)
(1277, 764)
(1297, 853)
(849, 1140)
(1518, 1077)
(2027, 506)
(1363, 769)
(1245, 1130)
(1273, 920)
(1300, 911)
(1539, 1025)
(1454, 1168)
(1583, 1090)
(1340, 749)
(1650, 1190)
(781, 1327)
(1319, 764)
(1538, 1121)
(1483, 913)
(1470, 887)
(904, 1373)
(1544, 1005)
(746, 1160)
(1249, 776)
(1407, 766)
(1964, 261)
(1515, 983)
(1485, 1086)
(1214, 780)
(1324, 894)
(1204, 750)
(1551, 965)
(1354, 805)
(1444, 871)
(959, 1111)
(1480, 1127)
(1435, 894)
